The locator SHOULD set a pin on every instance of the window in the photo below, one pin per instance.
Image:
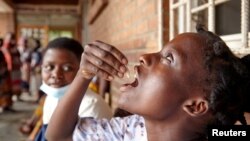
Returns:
(36, 32)
(60, 33)
(227, 18)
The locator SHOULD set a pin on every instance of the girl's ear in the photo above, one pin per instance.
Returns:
(196, 106)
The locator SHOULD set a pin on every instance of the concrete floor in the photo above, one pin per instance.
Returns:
(10, 121)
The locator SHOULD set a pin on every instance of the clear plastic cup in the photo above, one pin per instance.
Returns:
(129, 75)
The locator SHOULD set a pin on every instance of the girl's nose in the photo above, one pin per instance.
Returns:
(147, 59)
(57, 73)
(143, 60)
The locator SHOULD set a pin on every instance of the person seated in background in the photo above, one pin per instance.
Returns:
(60, 63)
(195, 81)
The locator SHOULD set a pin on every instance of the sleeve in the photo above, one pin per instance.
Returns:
(91, 129)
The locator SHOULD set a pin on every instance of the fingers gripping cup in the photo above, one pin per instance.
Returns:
(130, 79)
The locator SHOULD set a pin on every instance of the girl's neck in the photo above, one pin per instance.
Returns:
(173, 131)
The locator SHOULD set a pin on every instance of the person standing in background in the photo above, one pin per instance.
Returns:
(25, 52)
(12, 57)
(36, 60)
(5, 84)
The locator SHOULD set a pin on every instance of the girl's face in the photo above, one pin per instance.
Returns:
(59, 67)
(166, 79)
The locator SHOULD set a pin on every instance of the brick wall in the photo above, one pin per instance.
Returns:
(130, 25)
(6, 23)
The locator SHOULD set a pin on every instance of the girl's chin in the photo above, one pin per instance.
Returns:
(122, 101)
(129, 86)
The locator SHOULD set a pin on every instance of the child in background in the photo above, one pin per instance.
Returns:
(193, 82)
(59, 66)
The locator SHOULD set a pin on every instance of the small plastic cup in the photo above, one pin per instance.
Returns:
(129, 75)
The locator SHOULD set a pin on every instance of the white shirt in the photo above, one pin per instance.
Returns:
(92, 105)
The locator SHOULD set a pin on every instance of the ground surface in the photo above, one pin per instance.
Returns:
(11, 120)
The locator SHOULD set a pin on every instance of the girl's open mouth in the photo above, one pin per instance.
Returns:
(133, 84)
(128, 86)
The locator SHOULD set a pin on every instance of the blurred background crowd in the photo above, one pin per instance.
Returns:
(20, 68)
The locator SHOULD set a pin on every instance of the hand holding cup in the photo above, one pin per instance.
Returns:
(104, 60)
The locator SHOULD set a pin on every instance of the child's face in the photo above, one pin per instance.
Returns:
(166, 79)
(59, 67)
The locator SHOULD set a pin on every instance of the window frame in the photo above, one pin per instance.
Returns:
(239, 42)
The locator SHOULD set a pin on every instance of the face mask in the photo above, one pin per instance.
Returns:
(54, 92)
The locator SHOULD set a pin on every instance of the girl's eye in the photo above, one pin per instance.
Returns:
(167, 58)
(67, 68)
(48, 67)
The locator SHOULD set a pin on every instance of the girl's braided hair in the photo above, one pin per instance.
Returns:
(228, 82)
